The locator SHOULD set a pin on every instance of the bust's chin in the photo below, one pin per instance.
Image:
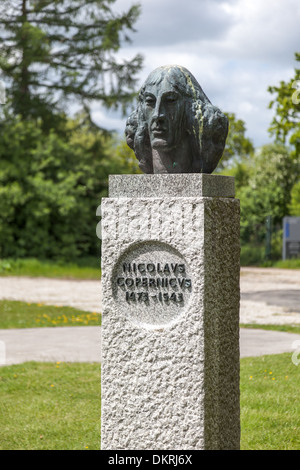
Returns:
(161, 145)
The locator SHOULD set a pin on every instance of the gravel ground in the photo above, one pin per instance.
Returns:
(268, 296)
(85, 295)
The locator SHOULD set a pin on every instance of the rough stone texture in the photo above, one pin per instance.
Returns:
(181, 185)
(172, 384)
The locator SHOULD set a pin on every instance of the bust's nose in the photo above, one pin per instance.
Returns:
(159, 112)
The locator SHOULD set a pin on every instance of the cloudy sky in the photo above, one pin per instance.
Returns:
(234, 48)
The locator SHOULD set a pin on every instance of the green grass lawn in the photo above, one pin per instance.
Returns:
(285, 328)
(15, 314)
(50, 406)
(86, 268)
(285, 264)
(270, 405)
(57, 405)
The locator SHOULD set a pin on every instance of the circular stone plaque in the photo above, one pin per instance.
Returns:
(151, 284)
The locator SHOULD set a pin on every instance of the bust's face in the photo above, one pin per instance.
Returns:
(163, 108)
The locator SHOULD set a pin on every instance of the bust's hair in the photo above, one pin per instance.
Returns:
(206, 125)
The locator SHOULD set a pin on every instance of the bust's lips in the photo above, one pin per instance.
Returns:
(158, 131)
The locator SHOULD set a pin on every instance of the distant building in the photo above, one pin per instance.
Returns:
(291, 237)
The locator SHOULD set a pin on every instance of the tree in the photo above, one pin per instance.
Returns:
(294, 205)
(125, 156)
(238, 147)
(53, 51)
(51, 186)
(285, 125)
(272, 174)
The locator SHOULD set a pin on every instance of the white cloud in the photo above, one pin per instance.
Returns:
(172, 22)
(108, 119)
(265, 30)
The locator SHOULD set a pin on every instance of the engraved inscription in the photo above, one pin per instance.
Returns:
(151, 283)
(164, 276)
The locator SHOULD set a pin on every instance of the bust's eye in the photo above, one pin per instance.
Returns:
(150, 101)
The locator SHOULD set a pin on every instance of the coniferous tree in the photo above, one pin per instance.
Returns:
(52, 51)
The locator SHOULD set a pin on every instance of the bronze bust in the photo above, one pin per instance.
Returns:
(175, 128)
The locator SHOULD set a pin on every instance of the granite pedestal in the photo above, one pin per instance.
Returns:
(170, 327)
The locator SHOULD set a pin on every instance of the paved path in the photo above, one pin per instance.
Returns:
(64, 344)
(83, 344)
